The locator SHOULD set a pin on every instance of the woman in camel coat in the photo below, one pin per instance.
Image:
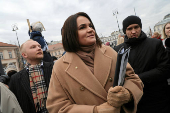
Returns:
(82, 79)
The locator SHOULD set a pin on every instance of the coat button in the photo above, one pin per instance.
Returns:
(82, 88)
(110, 79)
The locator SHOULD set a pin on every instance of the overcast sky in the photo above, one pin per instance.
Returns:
(53, 13)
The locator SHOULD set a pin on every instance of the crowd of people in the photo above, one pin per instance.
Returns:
(81, 81)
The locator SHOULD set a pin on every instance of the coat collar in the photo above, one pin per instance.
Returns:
(25, 83)
(81, 73)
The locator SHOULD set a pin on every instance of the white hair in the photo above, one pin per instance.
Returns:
(37, 26)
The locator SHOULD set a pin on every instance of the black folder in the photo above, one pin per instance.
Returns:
(122, 59)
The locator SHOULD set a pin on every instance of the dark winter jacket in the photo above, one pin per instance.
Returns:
(150, 61)
(20, 86)
(167, 45)
(37, 36)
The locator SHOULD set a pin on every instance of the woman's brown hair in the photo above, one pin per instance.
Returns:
(70, 34)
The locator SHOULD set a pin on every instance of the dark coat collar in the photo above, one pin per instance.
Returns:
(135, 41)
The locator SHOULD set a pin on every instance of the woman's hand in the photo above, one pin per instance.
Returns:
(106, 108)
(118, 96)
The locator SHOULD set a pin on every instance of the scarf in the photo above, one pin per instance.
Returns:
(87, 55)
(38, 87)
(135, 41)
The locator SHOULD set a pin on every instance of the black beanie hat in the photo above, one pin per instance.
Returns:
(131, 20)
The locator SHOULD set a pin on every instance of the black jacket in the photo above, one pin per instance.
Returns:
(150, 61)
(20, 86)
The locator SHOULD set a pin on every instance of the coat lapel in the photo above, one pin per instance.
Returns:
(25, 83)
(80, 72)
(102, 65)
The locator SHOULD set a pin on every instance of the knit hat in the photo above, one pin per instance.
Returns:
(131, 20)
(10, 67)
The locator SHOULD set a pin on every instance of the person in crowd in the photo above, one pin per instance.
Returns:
(36, 34)
(166, 34)
(120, 39)
(166, 41)
(8, 101)
(82, 80)
(30, 85)
(156, 35)
(150, 62)
(10, 70)
(107, 44)
(4, 79)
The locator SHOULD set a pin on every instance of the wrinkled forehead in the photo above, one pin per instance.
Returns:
(30, 43)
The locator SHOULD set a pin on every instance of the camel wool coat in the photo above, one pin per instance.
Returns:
(74, 89)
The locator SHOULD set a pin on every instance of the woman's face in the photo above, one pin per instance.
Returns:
(167, 30)
(86, 33)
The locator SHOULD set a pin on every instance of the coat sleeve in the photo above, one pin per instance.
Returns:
(135, 86)
(11, 84)
(9, 103)
(132, 83)
(58, 100)
(162, 69)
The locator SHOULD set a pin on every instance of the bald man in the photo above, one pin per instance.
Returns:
(30, 85)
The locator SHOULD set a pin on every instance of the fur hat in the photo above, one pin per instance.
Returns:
(37, 26)
(10, 67)
(131, 20)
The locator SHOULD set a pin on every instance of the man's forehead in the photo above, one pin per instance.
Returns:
(132, 25)
(31, 42)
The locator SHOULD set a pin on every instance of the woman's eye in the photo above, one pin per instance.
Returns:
(81, 27)
(91, 26)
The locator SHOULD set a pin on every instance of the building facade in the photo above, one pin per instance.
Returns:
(56, 50)
(10, 54)
(159, 26)
(112, 39)
(55, 42)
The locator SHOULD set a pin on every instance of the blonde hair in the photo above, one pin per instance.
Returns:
(156, 33)
(22, 46)
(164, 35)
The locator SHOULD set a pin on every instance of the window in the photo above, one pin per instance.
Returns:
(55, 53)
(10, 54)
(1, 55)
(59, 52)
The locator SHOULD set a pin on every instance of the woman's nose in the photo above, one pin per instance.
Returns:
(90, 29)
